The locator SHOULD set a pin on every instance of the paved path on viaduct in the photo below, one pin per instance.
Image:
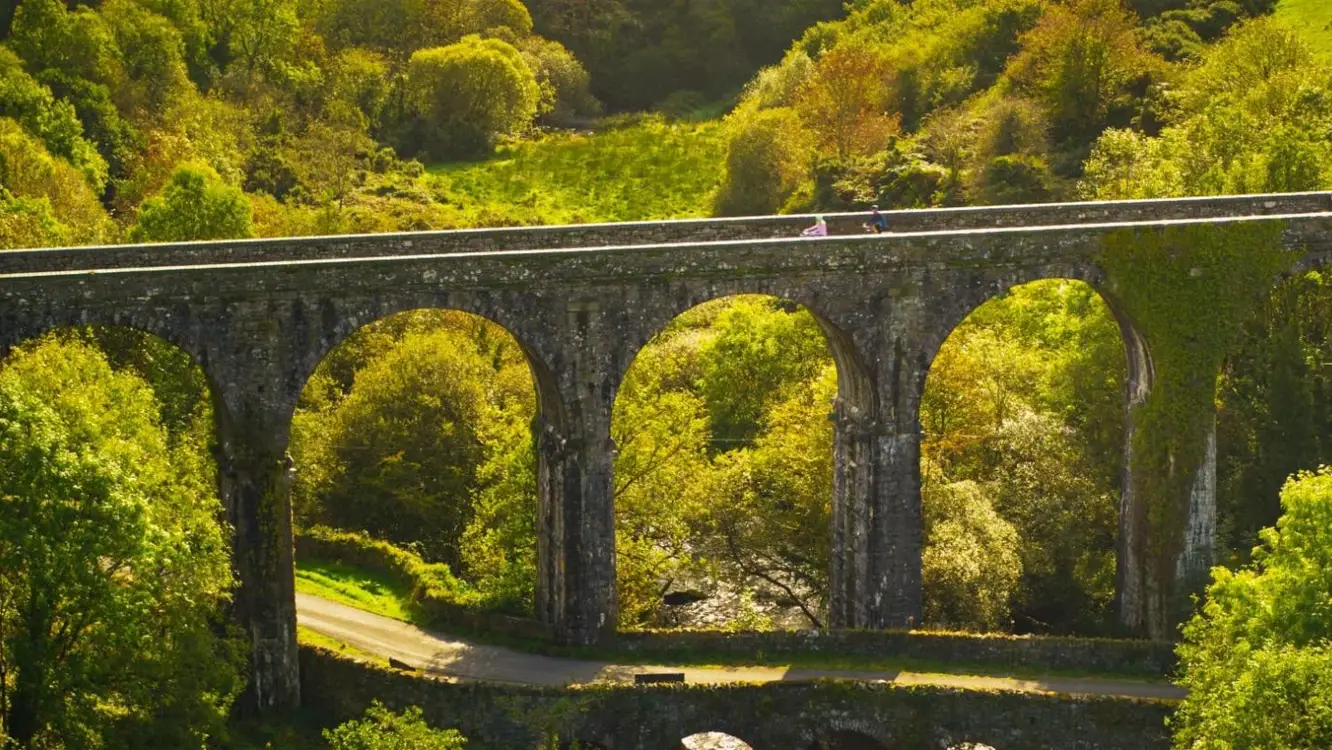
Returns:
(456, 658)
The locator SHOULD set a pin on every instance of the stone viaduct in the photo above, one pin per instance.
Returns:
(258, 316)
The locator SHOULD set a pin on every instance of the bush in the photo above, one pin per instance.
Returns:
(463, 97)
(439, 597)
(1013, 179)
(767, 163)
(72, 213)
(381, 729)
(1258, 658)
(195, 205)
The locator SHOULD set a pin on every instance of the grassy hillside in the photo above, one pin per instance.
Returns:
(1313, 18)
(651, 169)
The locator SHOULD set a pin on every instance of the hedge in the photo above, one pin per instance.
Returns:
(440, 599)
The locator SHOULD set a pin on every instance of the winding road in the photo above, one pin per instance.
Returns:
(457, 659)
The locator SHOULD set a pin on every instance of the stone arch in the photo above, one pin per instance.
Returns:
(176, 327)
(854, 383)
(966, 298)
(713, 741)
(337, 321)
(853, 411)
(1136, 383)
(548, 419)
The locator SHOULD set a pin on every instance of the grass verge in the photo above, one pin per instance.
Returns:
(362, 588)
(310, 637)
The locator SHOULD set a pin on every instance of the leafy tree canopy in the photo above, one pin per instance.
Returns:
(195, 205)
(1257, 659)
(108, 540)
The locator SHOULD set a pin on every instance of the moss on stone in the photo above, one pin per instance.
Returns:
(1188, 290)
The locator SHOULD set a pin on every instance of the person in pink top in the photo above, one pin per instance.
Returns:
(820, 228)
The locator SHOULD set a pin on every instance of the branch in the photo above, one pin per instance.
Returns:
(735, 554)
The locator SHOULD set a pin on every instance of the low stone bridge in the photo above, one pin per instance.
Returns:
(259, 315)
(798, 715)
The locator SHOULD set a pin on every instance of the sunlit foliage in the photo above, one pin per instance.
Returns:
(1257, 659)
(108, 539)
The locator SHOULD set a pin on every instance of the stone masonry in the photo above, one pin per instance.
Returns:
(258, 316)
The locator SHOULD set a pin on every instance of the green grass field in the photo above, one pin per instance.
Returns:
(355, 587)
(651, 169)
(1313, 19)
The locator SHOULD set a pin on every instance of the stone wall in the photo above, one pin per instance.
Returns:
(1097, 655)
(777, 716)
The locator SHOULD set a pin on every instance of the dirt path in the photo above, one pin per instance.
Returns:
(446, 656)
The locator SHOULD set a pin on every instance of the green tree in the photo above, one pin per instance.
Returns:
(195, 205)
(844, 103)
(46, 194)
(460, 98)
(53, 122)
(1257, 660)
(970, 567)
(29, 222)
(768, 162)
(1024, 401)
(1084, 63)
(564, 82)
(662, 485)
(1249, 119)
(404, 450)
(771, 525)
(109, 542)
(262, 33)
(760, 349)
(151, 52)
(382, 729)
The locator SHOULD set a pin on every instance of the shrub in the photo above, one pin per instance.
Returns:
(381, 729)
(767, 162)
(28, 171)
(195, 205)
(462, 97)
(1012, 179)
